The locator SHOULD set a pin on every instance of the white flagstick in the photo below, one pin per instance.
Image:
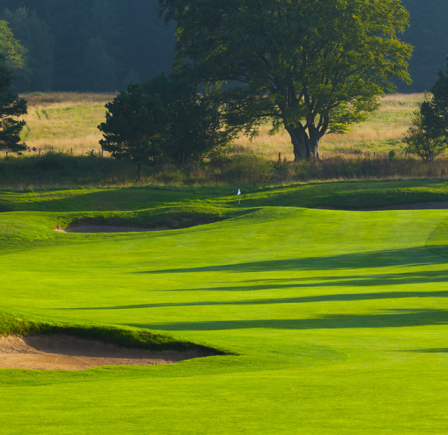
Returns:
(239, 194)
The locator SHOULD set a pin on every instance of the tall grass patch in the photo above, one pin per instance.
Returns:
(59, 169)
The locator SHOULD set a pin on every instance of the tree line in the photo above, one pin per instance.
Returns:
(307, 66)
(102, 45)
(88, 45)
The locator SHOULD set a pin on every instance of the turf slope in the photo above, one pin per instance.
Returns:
(335, 323)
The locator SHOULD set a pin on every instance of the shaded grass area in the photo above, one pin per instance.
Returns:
(396, 318)
(343, 195)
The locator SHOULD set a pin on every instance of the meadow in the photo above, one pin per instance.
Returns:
(324, 321)
(64, 121)
(68, 122)
(64, 151)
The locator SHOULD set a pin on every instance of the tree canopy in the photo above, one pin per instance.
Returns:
(72, 45)
(11, 49)
(428, 33)
(34, 34)
(425, 138)
(308, 65)
(135, 45)
(164, 120)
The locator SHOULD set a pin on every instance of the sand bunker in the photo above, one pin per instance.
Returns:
(62, 352)
(89, 227)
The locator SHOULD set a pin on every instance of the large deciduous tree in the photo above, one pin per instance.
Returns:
(11, 107)
(312, 66)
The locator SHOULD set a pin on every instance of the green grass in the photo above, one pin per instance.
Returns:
(333, 322)
(344, 195)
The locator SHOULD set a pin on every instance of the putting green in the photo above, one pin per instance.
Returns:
(335, 322)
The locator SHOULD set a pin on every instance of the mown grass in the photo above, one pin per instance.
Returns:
(204, 202)
(333, 322)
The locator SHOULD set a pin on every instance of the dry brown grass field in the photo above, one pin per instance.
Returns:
(68, 122)
(381, 133)
(64, 121)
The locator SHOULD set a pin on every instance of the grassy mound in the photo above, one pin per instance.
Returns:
(18, 324)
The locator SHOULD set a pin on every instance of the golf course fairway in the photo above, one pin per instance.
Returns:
(324, 321)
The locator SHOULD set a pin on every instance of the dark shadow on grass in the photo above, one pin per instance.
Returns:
(395, 319)
(440, 350)
(377, 280)
(306, 299)
(417, 256)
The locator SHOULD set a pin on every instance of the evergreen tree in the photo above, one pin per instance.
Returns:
(136, 124)
(11, 106)
(426, 137)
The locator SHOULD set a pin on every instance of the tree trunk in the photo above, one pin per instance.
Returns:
(298, 142)
(306, 145)
(313, 146)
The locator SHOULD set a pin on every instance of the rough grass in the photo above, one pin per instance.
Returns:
(62, 133)
(62, 170)
(68, 122)
(380, 134)
(64, 121)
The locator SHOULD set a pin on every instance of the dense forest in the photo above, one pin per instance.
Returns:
(89, 45)
(102, 45)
